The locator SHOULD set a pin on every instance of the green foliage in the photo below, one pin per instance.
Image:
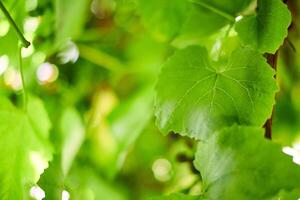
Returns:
(117, 78)
(177, 196)
(196, 96)
(238, 163)
(70, 19)
(168, 18)
(25, 150)
(265, 30)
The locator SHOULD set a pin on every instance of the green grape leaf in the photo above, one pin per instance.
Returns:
(25, 150)
(163, 17)
(176, 196)
(239, 163)
(196, 96)
(52, 181)
(267, 29)
(206, 17)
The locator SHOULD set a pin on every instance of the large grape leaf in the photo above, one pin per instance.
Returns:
(238, 163)
(267, 29)
(24, 149)
(196, 96)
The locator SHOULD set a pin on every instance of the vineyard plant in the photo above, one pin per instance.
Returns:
(150, 99)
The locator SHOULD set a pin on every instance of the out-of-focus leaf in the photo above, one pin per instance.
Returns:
(163, 18)
(113, 138)
(206, 17)
(72, 133)
(71, 136)
(129, 119)
(84, 183)
(177, 196)
(70, 19)
(24, 148)
(146, 67)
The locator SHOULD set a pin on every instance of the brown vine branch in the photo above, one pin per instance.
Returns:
(272, 60)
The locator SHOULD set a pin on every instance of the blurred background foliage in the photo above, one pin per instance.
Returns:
(94, 64)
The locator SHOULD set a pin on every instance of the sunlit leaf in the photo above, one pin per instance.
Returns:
(24, 148)
(238, 163)
(196, 96)
(267, 29)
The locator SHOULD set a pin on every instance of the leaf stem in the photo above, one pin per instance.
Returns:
(22, 79)
(25, 43)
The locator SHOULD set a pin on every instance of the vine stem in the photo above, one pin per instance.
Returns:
(272, 60)
(25, 43)
(22, 78)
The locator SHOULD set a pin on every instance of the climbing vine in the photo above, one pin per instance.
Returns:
(223, 101)
(149, 99)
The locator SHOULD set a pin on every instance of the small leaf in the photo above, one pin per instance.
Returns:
(238, 163)
(25, 150)
(196, 96)
(267, 29)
